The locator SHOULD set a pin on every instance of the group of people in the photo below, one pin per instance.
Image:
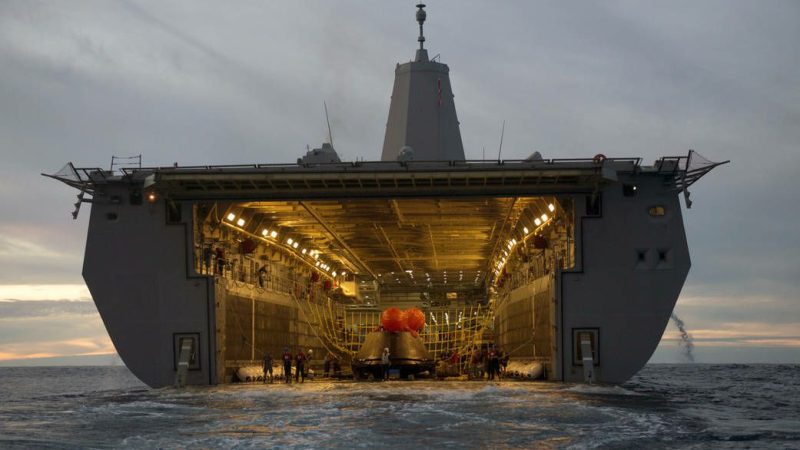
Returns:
(299, 359)
(492, 360)
(478, 361)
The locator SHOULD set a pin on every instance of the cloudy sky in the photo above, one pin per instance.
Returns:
(219, 82)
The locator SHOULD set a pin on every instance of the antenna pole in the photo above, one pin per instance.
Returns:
(421, 19)
(502, 133)
(330, 134)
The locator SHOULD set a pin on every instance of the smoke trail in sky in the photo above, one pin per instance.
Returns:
(686, 338)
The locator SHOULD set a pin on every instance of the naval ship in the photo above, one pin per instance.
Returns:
(574, 264)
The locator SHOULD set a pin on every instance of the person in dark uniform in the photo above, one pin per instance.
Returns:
(267, 367)
(300, 366)
(287, 365)
(386, 361)
(219, 253)
(493, 363)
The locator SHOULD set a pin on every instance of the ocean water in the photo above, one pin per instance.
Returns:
(664, 406)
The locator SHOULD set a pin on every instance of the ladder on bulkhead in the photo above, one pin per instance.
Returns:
(185, 358)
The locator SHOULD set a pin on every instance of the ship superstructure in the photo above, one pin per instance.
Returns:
(574, 263)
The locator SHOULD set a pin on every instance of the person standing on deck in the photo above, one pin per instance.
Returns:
(287, 365)
(219, 253)
(268, 367)
(300, 370)
(476, 364)
(328, 363)
(262, 276)
(385, 363)
(493, 363)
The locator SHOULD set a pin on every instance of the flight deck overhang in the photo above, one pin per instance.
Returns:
(382, 180)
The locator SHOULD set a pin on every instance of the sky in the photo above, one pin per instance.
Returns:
(202, 82)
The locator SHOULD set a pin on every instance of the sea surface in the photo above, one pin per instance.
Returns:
(664, 406)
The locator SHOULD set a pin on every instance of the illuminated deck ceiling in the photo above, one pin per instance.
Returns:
(410, 243)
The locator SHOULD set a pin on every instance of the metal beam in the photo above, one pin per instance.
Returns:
(336, 238)
(397, 256)
(433, 247)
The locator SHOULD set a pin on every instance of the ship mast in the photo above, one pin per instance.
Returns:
(422, 123)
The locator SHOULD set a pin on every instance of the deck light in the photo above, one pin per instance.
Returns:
(264, 232)
(296, 244)
(525, 230)
(273, 234)
(537, 221)
(317, 265)
(240, 222)
(334, 273)
(551, 207)
(303, 251)
(290, 241)
(231, 216)
(544, 217)
(151, 197)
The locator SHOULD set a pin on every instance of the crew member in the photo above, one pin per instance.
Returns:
(328, 362)
(287, 365)
(493, 363)
(267, 367)
(385, 362)
(219, 253)
(477, 364)
(262, 276)
(299, 366)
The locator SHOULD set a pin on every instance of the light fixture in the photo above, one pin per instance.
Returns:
(290, 241)
(265, 232)
(537, 221)
(334, 273)
(525, 230)
(240, 222)
(151, 197)
(296, 244)
(231, 216)
(273, 234)
(551, 207)
(304, 251)
(544, 217)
